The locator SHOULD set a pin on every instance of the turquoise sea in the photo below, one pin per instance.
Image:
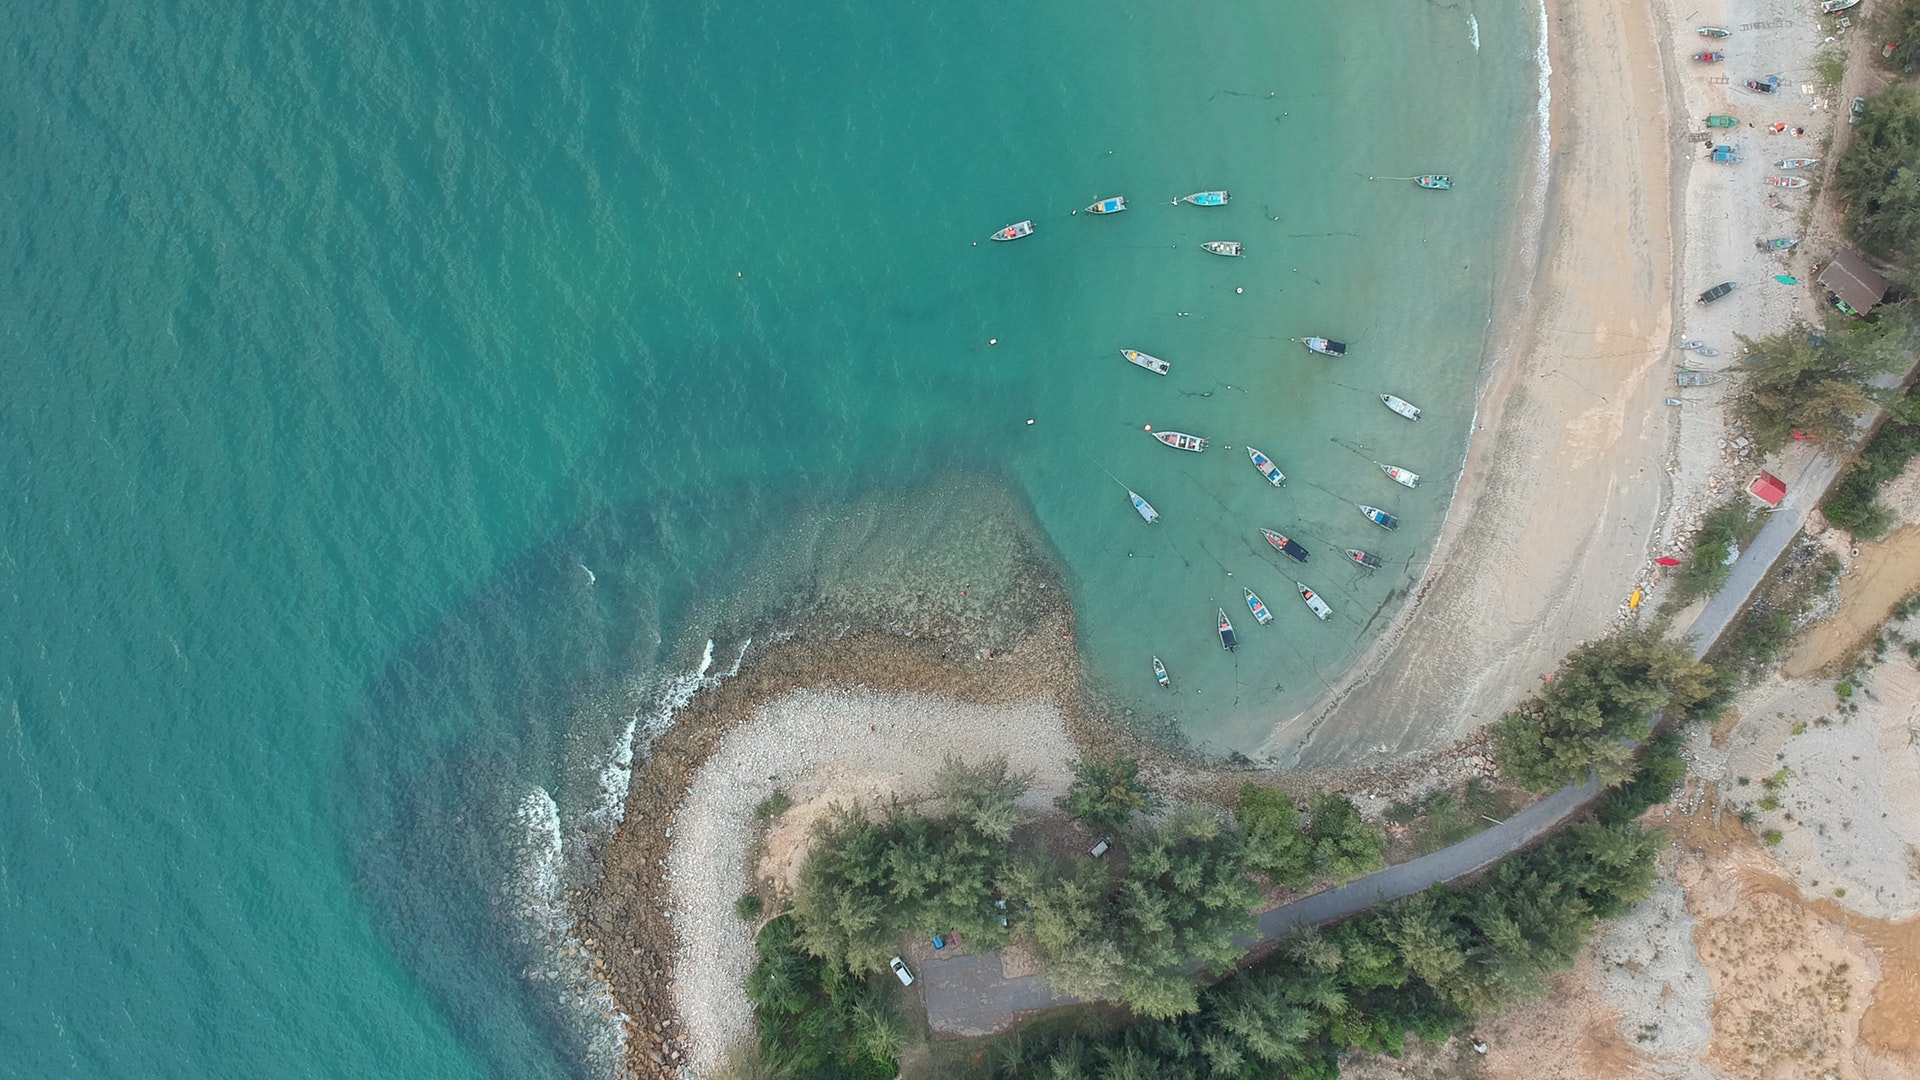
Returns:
(399, 399)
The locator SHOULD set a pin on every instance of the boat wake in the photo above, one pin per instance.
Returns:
(1473, 31)
(549, 856)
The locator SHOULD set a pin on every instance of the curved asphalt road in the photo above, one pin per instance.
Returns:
(972, 995)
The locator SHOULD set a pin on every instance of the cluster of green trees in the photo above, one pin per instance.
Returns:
(1707, 567)
(1597, 708)
(1131, 927)
(1854, 503)
(1878, 177)
(818, 1021)
(1426, 964)
(1815, 383)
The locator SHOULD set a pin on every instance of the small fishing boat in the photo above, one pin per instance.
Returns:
(1714, 32)
(1180, 440)
(1709, 57)
(1151, 363)
(1696, 378)
(1267, 468)
(1379, 517)
(1830, 7)
(1771, 85)
(1314, 603)
(1716, 292)
(1799, 163)
(1725, 155)
(1778, 243)
(1254, 604)
(1146, 508)
(1787, 181)
(1015, 231)
(1435, 181)
(1207, 198)
(1400, 476)
(1325, 346)
(1364, 558)
(1227, 640)
(1160, 672)
(1400, 405)
(1108, 206)
(1290, 548)
(1723, 121)
(1229, 248)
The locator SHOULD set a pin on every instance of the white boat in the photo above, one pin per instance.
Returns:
(1314, 603)
(1108, 206)
(1401, 405)
(1151, 363)
(1325, 346)
(1787, 181)
(1160, 672)
(1267, 468)
(1831, 7)
(1799, 163)
(1400, 475)
(1229, 248)
(1015, 231)
(1208, 198)
(1146, 508)
(1259, 608)
(1227, 639)
(1180, 440)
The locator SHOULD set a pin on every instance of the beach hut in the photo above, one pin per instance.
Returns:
(1853, 283)
(1768, 488)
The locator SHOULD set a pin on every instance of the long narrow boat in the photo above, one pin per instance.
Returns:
(1151, 363)
(1267, 468)
(1829, 7)
(1227, 640)
(1108, 206)
(1290, 548)
(1314, 603)
(1787, 181)
(1770, 86)
(1160, 672)
(1435, 181)
(1144, 507)
(1229, 248)
(1365, 558)
(1254, 604)
(1400, 405)
(1207, 198)
(1723, 121)
(1714, 32)
(1778, 243)
(1180, 440)
(1401, 476)
(1015, 231)
(1379, 517)
(1325, 346)
(1799, 163)
(1709, 57)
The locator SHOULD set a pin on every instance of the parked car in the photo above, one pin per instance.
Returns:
(901, 971)
(1100, 848)
(1859, 106)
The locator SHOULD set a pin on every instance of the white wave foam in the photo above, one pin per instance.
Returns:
(1544, 111)
(1473, 31)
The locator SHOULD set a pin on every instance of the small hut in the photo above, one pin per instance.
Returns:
(1768, 488)
(1853, 283)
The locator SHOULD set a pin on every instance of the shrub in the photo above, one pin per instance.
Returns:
(1772, 836)
(816, 1021)
(748, 907)
(1105, 793)
(773, 806)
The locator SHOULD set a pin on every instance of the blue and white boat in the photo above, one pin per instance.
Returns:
(1254, 604)
(1108, 206)
(1146, 509)
(1208, 198)
(1380, 517)
(1267, 468)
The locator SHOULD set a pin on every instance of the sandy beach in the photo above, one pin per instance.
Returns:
(1564, 482)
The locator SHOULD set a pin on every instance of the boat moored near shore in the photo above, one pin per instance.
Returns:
(1435, 182)
(1180, 440)
(1015, 231)
(1314, 603)
(1399, 475)
(1267, 468)
(1365, 558)
(1144, 507)
(1254, 604)
(1151, 363)
(1229, 248)
(1379, 517)
(1401, 405)
(1290, 548)
(1207, 198)
(1325, 346)
(1227, 640)
(1160, 672)
(1108, 206)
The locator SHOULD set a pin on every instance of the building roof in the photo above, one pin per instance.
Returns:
(1768, 488)
(1852, 280)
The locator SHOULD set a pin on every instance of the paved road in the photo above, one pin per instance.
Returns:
(1803, 493)
(971, 995)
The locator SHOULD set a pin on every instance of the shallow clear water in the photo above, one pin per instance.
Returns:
(399, 397)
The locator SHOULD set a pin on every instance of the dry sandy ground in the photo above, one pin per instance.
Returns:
(1564, 477)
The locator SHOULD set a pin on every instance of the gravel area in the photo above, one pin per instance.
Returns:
(813, 745)
(1647, 969)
